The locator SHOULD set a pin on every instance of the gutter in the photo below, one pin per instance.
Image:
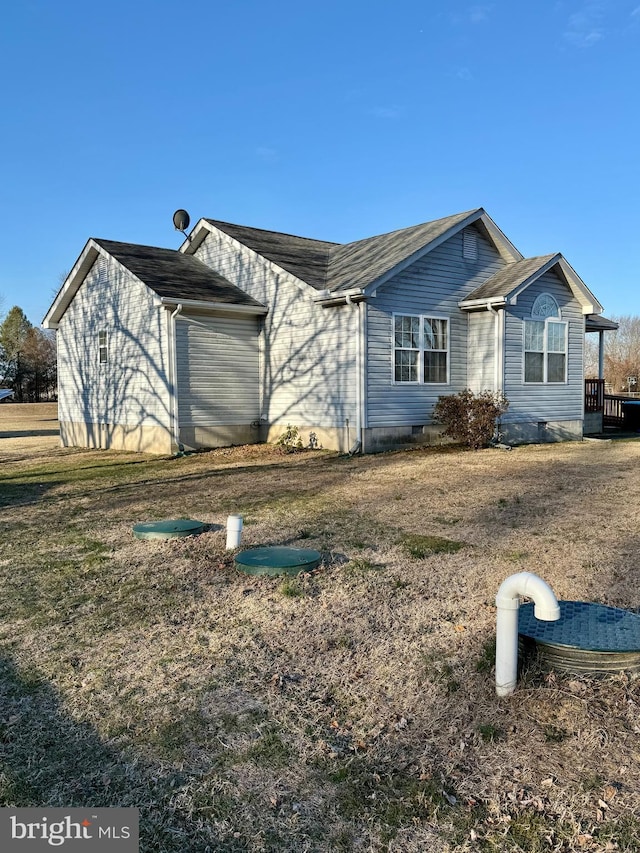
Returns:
(229, 307)
(327, 299)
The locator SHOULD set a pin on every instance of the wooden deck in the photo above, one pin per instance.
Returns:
(596, 400)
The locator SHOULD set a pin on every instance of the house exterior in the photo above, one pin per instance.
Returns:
(243, 331)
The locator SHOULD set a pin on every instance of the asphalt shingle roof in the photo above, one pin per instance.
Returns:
(305, 258)
(335, 266)
(506, 280)
(174, 275)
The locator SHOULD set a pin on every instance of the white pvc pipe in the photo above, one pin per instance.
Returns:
(234, 531)
(546, 607)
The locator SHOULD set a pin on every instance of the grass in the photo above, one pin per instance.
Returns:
(350, 708)
(419, 546)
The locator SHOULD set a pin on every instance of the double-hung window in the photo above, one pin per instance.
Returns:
(421, 349)
(545, 343)
(103, 348)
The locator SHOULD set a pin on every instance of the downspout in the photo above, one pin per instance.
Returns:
(175, 424)
(358, 445)
(498, 344)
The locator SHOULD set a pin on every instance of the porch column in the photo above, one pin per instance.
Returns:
(600, 354)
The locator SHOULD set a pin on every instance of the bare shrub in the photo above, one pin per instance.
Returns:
(470, 418)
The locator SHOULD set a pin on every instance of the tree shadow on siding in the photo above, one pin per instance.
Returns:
(130, 388)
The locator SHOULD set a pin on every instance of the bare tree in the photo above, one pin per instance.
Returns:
(621, 356)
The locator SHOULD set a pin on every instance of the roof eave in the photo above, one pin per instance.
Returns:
(328, 298)
(71, 284)
(203, 304)
(488, 302)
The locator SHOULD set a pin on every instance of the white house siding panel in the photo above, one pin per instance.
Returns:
(481, 355)
(131, 388)
(550, 401)
(307, 353)
(217, 370)
(434, 284)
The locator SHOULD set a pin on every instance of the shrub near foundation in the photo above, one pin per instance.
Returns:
(470, 418)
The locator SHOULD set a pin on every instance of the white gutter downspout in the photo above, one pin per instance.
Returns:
(175, 426)
(546, 607)
(498, 344)
(359, 391)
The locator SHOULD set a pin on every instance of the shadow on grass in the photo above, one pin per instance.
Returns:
(49, 759)
(27, 433)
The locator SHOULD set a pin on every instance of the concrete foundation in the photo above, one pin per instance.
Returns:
(142, 439)
(541, 432)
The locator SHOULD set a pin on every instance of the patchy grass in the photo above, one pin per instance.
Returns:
(347, 709)
(419, 546)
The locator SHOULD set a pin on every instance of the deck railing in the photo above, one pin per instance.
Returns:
(595, 400)
(593, 395)
(612, 414)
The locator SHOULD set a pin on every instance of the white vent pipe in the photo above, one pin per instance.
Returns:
(234, 531)
(546, 607)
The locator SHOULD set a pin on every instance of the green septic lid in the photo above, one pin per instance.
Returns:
(167, 529)
(277, 561)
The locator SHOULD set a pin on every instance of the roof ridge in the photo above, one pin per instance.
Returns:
(101, 240)
(271, 231)
(461, 215)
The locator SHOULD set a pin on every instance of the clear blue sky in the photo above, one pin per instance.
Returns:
(334, 120)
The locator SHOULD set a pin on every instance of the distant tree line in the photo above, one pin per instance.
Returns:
(27, 359)
(621, 355)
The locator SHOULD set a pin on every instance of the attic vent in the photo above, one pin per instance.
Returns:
(101, 268)
(469, 245)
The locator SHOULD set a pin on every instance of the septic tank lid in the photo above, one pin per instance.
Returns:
(590, 639)
(167, 529)
(584, 625)
(277, 561)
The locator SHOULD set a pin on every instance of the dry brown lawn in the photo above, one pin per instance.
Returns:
(350, 709)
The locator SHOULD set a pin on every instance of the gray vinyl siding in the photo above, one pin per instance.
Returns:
(432, 285)
(307, 354)
(217, 370)
(550, 401)
(131, 389)
(481, 357)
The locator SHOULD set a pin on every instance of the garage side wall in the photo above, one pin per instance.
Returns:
(218, 379)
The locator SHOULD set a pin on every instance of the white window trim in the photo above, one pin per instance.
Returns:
(421, 349)
(103, 347)
(545, 351)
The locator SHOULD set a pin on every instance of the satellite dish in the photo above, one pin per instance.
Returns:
(181, 220)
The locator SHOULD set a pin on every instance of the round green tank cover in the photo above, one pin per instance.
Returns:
(167, 529)
(277, 561)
